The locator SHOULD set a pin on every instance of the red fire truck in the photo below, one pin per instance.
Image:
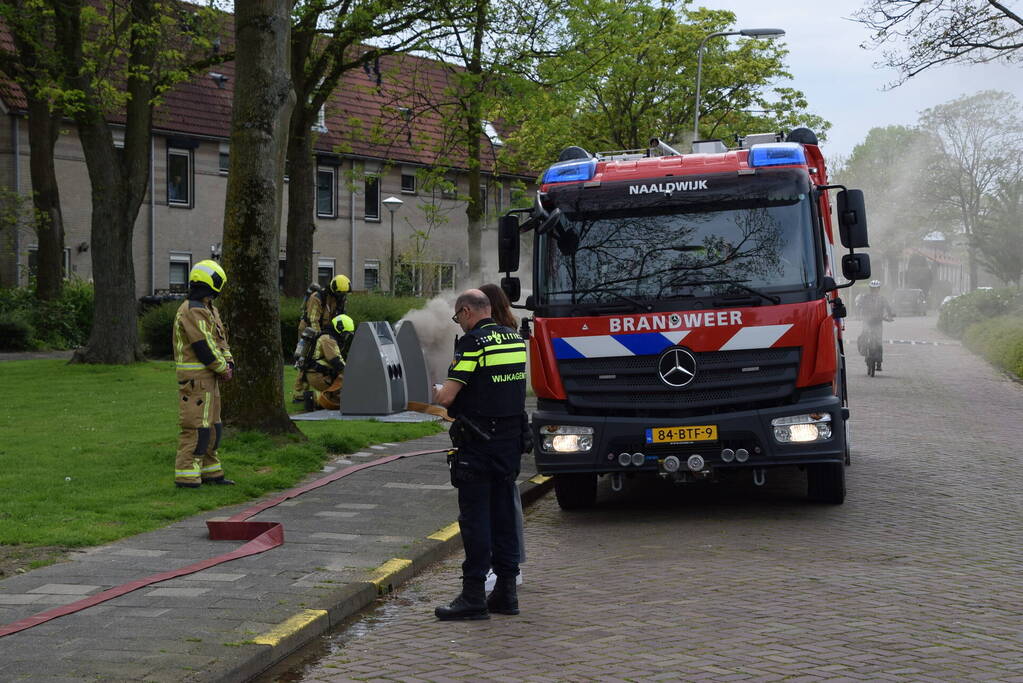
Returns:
(686, 318)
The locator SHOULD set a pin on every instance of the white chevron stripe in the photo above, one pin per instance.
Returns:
(675, 336)
(755, 337)
(600, 346)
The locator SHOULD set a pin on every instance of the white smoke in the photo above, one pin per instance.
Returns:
(436, 333)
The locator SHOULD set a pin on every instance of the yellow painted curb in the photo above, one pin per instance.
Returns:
(274, 636)
(387, 570)
(445, 534)
(539, 479)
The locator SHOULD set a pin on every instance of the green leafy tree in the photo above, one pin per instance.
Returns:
(117, 59)
(628, 73)
(893, 166)
(980, 139)
(998, 236)
(329, 38)
(919, 34)
(31, 65)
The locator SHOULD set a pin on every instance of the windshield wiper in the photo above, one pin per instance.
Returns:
(736, 283)
(604, 290)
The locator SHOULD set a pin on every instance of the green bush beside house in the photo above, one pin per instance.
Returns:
(156, 324)
(1000, 341)
(26, 323)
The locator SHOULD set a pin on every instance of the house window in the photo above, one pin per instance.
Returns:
(445, 276)
(449, 188)
(180, 265)
(33, 261)
(371, 275)
(408, 183)
(225, 158)
(372, 197)
(325, 271)
(326, 206)
(484, 198)
(179, 177)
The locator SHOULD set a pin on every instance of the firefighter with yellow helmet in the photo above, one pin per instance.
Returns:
(203, 360)
(326, 363)
(319, 309)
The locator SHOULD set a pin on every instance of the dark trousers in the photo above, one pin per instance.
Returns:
(486, 518)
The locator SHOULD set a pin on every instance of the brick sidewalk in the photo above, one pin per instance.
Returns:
(374, 529)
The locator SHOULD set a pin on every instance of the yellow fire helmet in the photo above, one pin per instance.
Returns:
(340, 285)
(343, 323)
(209, 273)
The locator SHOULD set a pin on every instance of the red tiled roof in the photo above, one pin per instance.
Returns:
(362, 118)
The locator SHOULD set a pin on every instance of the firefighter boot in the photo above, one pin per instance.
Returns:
(504, 599)
(471, 603)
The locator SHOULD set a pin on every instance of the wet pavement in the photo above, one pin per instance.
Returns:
(915, 578)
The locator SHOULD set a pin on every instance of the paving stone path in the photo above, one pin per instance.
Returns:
(916, 578)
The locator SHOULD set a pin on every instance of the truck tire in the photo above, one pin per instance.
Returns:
(825, 483)
(575, 491)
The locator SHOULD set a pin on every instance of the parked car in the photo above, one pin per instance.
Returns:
(950, 297)
(909, 302)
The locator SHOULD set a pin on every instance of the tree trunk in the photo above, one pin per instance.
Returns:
(259, 127)
(301, 204)
(43, 129)
(473, 130)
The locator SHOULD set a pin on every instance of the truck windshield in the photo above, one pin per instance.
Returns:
(667, 252)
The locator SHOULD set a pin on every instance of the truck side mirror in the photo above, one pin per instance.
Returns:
(856, 266)
(852, 219)
(512, 288)
(508, 244)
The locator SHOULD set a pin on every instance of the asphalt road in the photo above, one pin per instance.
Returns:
(916, 577)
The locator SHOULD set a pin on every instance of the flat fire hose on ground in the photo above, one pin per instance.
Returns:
(259, 537)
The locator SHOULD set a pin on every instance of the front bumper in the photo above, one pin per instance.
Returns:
(745, 429)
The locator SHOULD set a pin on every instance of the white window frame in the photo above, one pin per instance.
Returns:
(326, 263)
(225, 149)
(333, 191)
(179, 257)
(370, 264)
(189, 178)
(34, 249)
(409, 173)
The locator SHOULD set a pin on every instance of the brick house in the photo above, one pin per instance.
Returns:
(381, 135)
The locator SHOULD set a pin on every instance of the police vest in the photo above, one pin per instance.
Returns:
(490, 360)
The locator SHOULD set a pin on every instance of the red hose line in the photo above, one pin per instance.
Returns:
(259, 537)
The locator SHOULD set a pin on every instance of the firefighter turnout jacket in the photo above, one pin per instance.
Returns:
(201, 350)
(327, 358)
(320, 309)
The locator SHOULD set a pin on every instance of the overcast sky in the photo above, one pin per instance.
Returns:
(838, 77)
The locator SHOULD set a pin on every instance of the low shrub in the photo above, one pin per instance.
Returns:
(966, 310)
(63, 323)
(156, 327)
(16, 333)
(1000, 341)
(361, 307)
(157, 324)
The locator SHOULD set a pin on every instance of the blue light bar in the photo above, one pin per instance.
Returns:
(776, 154)
(568, 171)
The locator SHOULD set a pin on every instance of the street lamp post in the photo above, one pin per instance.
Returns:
(749, 33)
(393, 204)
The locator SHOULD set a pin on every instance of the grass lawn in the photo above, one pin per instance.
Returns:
(87, 453)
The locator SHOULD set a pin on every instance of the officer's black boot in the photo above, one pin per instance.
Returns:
(504, 598)
(471, 603)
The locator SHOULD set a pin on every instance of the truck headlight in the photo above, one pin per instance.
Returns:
(802, 428)
(566, 438)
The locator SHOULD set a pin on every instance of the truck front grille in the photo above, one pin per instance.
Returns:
(630, 384)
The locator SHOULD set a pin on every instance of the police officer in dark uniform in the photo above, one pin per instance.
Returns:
(485, 392)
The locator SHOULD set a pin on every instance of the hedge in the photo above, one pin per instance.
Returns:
(157, 323)
(28, 323)
(1000, 341)
(977, 306)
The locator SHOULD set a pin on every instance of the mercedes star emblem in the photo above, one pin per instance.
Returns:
(676, 367)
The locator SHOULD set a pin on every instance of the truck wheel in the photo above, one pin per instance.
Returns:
(825, 483)
(575, 491)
